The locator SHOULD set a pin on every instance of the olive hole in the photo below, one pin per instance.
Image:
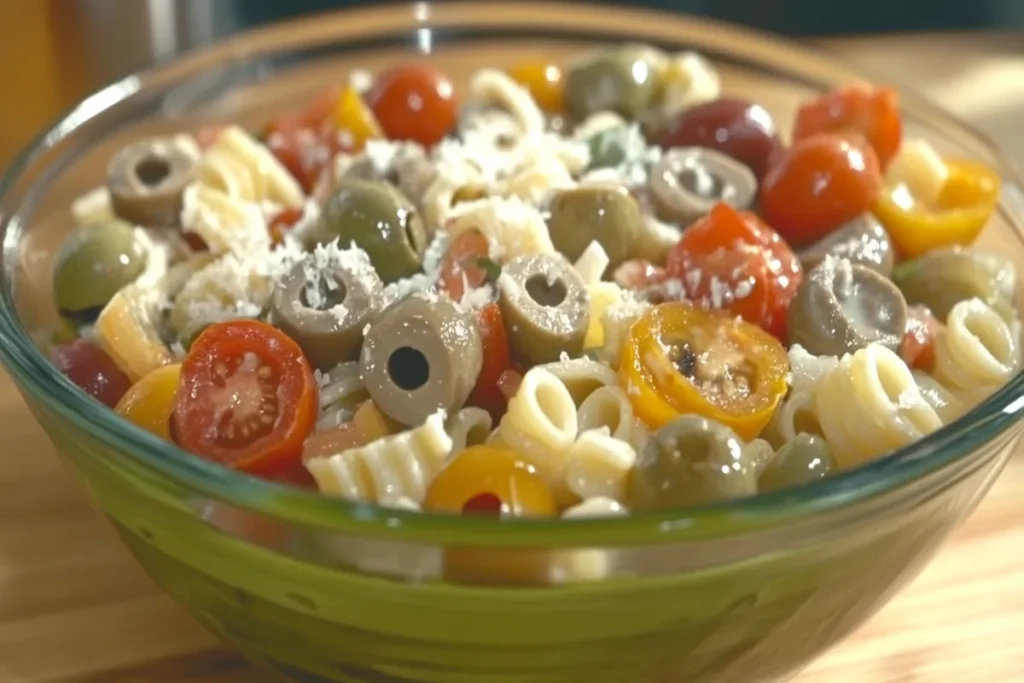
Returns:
(700, 182)
(152, 171)
(545, 292)
(408, 368)
(324, 295)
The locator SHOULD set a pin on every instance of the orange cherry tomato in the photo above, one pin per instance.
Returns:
(490, 480)
(918, 347)
(873, 112)
(150, 401)
(679, 359)
(966, 203)
(366, 426)
(732, 261)
(817, 185)
(352, 118)
(282, 223)
(487, 393)
(545, 83)
(414, 102)
(461, 265)
(247, 398)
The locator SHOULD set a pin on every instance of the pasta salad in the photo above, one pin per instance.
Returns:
(578, 291)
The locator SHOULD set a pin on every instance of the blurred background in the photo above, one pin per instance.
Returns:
(56, 51)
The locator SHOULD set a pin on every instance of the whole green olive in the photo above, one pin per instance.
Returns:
(606, 214)
(841, 307)
(942, 278)
(380, 220)
(622, 79)
(862, 241)
(545, 307)
(801, 460)
(92, 264)
(687, 181)
(692, 461)
(147, 180)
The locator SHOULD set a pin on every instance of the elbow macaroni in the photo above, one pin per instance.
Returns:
(597, 466)
(581, 376)
(243, 168)
(541, 421)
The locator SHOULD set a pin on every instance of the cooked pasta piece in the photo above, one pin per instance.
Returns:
(796, 414)
(592, 263)
(92, 207)
(513, 227)
(615, 324)
(243, 168)
(596, 507)
(656, 240)
(603, 295)
(581, 376)
(598, 123)
(689, 80)
(387, 470)
(341, 390)
(870, 405)
(469, 427)
(609, 408)
(920, 167)
(945, 403)
(807, 370)
(541, 420)
(976, 352)
(494, 88)
(227, 224)
(597, 466)
(536, 180)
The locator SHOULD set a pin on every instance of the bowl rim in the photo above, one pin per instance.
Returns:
(36, 375)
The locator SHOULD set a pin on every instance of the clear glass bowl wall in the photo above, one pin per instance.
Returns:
(326, 591)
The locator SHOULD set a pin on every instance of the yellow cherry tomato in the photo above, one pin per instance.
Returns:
(490, 480)
(351, 116)
(964, 205)
(150, 401)
(681, 360)
(545, 83)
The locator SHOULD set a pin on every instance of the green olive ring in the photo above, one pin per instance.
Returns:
(862, 241)
(801, 460)
(93, 263)
(841, 307)
(608, 215)
(147, 181)
(943, 278)
(545, 306)
(421, 355)
(687, 181)
(327, 320)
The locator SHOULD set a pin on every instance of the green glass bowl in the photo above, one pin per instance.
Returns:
(324, 590)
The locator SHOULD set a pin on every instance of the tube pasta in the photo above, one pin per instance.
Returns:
(689, 80)
(870, 405)
(976, 352)
(581, 376)
(491, 87)
(535, 181)
(92, 207)
(513, 227)
(592, 263)
(469, 427)
(243, 168)
(615, 324)
(945, 404)
(609, 408)
(227, 224)
(225, 289)
(392, 471)
(341, 390)
(540, 423)
(597, 465)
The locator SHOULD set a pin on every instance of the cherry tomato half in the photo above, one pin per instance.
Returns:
(870, 111)
(732, 261)
(414, 102)
(282, 223)
(490, 480)
(918, 347)
(460, 268)
(247, 398)
(92, 370)
(817, 185)
(545, 83)
(487, 393)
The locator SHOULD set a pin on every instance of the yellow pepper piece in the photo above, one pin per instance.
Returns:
(126, 329)
(602, 296)
(965, 204)
(150, 401)
(682, 360)
(353, 117)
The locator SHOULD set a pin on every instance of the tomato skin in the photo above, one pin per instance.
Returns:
(222, 347)
(545, 82)
(918, 347)
(414, 102)
(93, 371)
(281, 224)
(459, 269)
(733, 261)
(487, 393)
(513, 486)
(870, 111)
(305, 151)
(150, 401)
(320, 109)
(817, 185)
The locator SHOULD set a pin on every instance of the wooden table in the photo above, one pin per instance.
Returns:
(74, 608)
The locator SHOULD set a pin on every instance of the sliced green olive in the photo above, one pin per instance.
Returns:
(803, 459)
(687, 181)
(545, 306)
(581, 215)
(422, 354)
(692, 461)
(841, 307)
(862, 241)
(147, 181)
(379, 219)
(93, 263)
(942, 278)
(325, 310)
(622, 79)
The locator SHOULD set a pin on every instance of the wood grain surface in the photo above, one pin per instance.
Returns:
(74, 608)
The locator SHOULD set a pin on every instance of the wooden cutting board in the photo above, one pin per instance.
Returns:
(74, 608)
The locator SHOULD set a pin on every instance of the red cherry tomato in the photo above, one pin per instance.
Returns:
(93, 371)
(247, 398)
(299, 149)
(460, 268)
(918, 347)
(298, 476)
(282, 223)
(732, 261)
(817, 185)
(638, 275)
(320, 108)
(864, 109)
(414, 102)
(497, 360)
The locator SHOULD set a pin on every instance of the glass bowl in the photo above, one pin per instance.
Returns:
(324, 590)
